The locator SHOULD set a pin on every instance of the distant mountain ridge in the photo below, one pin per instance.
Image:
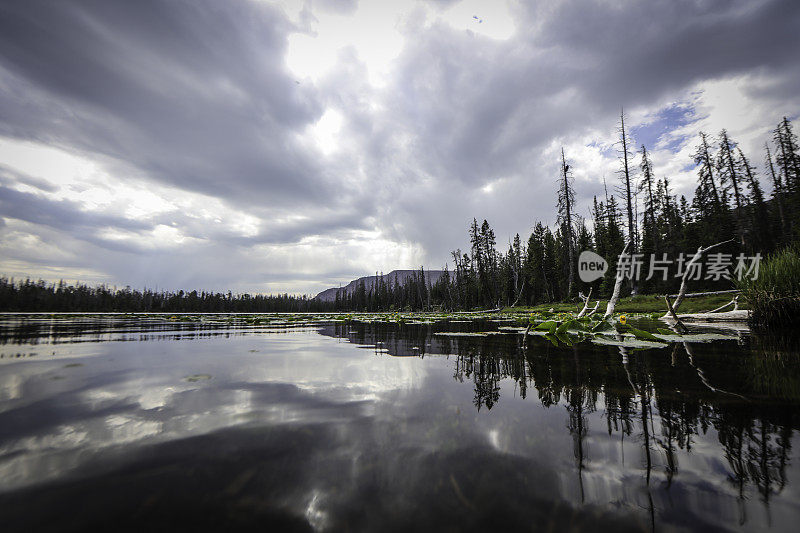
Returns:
(329, 295)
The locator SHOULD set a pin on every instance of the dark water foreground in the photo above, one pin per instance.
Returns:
(131, 424)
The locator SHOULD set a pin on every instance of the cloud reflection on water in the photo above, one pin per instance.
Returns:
(337, 434)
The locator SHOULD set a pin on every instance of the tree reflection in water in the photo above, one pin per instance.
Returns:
(745, 391)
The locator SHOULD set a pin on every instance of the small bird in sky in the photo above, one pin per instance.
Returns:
(476, 18)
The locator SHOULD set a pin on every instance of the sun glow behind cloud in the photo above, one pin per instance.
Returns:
(326, 130)
(376, 32)
(371, 31)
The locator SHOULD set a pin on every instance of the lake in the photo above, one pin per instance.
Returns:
(304, 423)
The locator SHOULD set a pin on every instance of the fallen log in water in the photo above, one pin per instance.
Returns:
(710, 293)
(709, 317)
(739, 315)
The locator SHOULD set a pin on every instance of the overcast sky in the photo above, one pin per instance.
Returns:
(289, 146)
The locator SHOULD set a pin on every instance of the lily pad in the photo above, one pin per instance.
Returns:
(549, 326)
(565, 338)
(644, 335)
(567, 324)
(603, 326)
(552, 338)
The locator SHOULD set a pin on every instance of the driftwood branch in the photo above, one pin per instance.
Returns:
(734, 302)
(612, 303)
(585, 302)
(713, 316)
(671, 310)
(739, 315)
(695, 258)
(709, 293)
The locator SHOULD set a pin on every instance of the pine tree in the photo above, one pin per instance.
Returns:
(708, 186)
(788, 157)
(516, 253)
(489, 282)
(553, 263)
(610, 241)
(731, 178)
(566, 200)
(628, 194)
(778, 195)
(584, 242)
(535, 268)
(626, 181)
(651, 232)
(787, 160)
(759, 218)
(710, 202)
(647, 185)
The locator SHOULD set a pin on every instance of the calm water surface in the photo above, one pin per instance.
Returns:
(144, 424)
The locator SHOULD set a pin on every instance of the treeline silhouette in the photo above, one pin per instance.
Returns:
(729, 203)
(33, 296)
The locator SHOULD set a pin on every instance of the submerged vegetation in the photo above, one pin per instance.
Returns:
(775, 295)
(560, 328)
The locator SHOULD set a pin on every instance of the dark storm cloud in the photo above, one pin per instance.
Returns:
(635, 51)
(66, 215)
(321, 222)
(62, 214)
(195, 94)
(9, 176)
(476, 106)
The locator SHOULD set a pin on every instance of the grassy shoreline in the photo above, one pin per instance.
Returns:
(774, 296)
(644, 303)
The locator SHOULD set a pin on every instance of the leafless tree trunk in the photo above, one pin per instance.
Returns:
(612, 303)
(628, 195)
(695, 258)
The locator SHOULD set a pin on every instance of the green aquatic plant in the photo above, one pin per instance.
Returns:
(644, 335)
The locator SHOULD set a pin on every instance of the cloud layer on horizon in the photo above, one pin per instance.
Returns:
(269, 147)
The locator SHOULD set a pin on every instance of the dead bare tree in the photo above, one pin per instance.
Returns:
(612, 303)
(695, 258)
(566, 201)
(586, 300)
(626, 189)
